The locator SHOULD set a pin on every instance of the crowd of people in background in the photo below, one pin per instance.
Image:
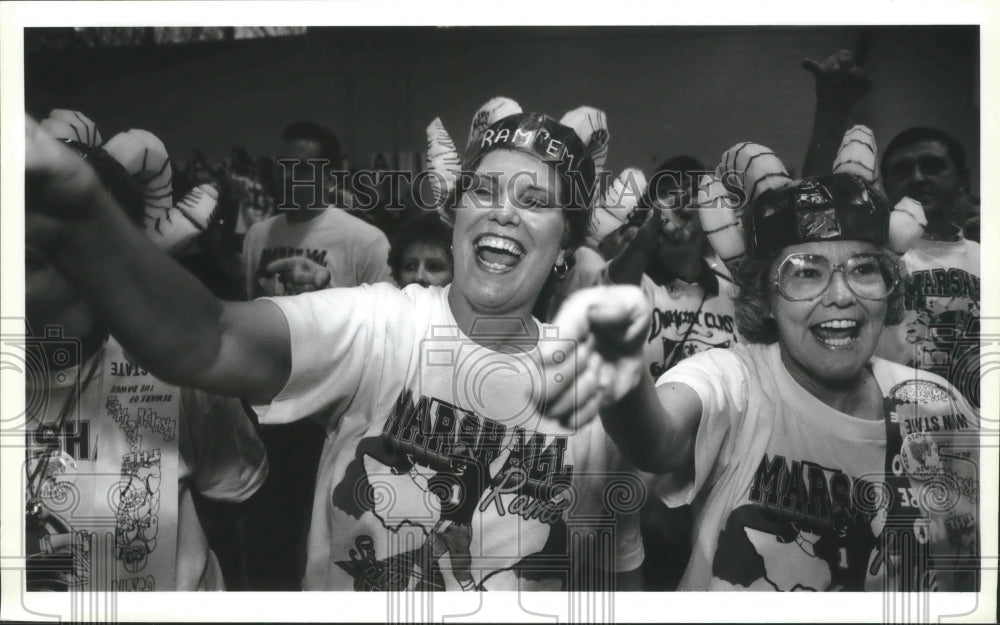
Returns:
(726, 356)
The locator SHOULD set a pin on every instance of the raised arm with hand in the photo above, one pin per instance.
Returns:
(840, 83)
(653, 427)
(629, 264)
(157, 310)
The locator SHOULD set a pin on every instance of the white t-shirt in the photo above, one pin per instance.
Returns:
(438, 473)
(353, 251)
(939, 331)
(686, 320)
(132, 438)
(783, 485)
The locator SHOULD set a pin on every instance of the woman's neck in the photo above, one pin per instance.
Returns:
(492, 329)
(853, 397)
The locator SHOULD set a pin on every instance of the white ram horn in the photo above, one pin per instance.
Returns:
(858, 154)
(591, 125)
(720, 221)
(443, 160)
(906, 224)
(617, 204)
(145, 158)
(171, 230)
(489, 113)
(73, 125)
(758, 166)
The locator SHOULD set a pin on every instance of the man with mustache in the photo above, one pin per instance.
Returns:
(940, 332)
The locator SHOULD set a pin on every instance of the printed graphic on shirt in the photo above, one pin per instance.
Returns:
(111, 478)
(808, 527)
(676, 334)
(805, 528)
(942, 329)
(313, 272)
(449, 474)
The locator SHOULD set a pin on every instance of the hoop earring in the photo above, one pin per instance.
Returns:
(561, 270)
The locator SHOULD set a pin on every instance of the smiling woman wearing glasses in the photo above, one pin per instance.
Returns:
(810, 464)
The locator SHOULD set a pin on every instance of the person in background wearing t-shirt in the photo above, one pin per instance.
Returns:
(311, 243)
(779, 442)
(408, 380)
(689, 287)
(940, 331)
(111, 432)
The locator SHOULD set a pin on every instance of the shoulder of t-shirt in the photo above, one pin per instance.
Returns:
(893, 374)
(931, 251)
(649, 286)
(737, 358)
(263, 225)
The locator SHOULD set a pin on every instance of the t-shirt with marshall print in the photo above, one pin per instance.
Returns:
(785, 488)
(353, 251)
(434, 447)
(940, 328)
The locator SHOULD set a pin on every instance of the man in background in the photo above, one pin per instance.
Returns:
(940, 330)
(311, 243)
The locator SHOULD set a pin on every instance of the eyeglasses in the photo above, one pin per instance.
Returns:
(803, 277)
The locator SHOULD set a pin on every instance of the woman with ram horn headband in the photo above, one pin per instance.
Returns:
(435, 445)
(811, 464)
(110, 445)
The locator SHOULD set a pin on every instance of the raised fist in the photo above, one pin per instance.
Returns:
(59, 185)
(839, 79)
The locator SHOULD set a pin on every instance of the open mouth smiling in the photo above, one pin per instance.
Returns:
(837, 333)
(497, 254)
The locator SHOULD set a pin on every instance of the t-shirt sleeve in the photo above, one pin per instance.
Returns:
(339, 338)
(719, 378)
(375, 260)
(226, 458)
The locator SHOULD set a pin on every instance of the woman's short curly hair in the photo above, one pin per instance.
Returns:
(418, 228)
(752, 302)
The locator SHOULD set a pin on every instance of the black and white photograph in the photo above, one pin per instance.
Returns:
(390, 313)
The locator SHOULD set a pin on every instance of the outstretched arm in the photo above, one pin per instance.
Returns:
(840, 83)
(157, 310)
(629, 264)
(654, 427)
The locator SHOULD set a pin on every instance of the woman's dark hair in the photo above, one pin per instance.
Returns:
(418, 228)
(752, 302)
(115, 179)
(660, 182)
